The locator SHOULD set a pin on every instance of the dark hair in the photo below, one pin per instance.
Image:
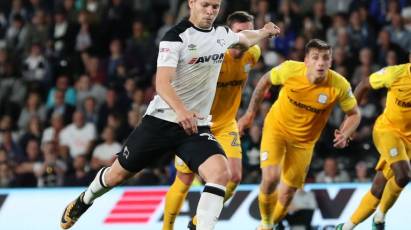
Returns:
(239, 16)
(316, 44)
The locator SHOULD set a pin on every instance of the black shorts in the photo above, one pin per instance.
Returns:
(154, 138)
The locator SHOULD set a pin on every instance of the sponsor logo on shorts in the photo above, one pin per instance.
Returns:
(209, 136)
(264, 156)
(126, 153)
(393, 152)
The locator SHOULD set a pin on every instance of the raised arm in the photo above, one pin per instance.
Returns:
(187, 119)
(258, 94)
(252, 37)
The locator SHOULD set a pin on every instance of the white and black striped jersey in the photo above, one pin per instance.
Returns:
(197, 55)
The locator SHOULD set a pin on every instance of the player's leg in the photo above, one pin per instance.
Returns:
(235, 165)
(177, 193)
(294, 170)
(393, 189)
(394, 151)
(106, 178)
(203, 154)
(272, 152)
(141, 147)
(368, 203)
(229, 139)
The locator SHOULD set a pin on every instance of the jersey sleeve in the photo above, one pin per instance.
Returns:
(232, 37)
(169, 53)
(278, 73)
(346, 98)
(255, 53)
(382, 78)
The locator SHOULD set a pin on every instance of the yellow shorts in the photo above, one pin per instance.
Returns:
(228, 137)
(293, 157)
(392, 148)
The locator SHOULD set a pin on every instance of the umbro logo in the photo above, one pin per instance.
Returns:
(221, 42)
(192, 47)
(126, 153)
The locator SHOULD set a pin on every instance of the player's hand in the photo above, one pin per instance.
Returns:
(271, 29)
(188, 121)
(245, 122)
(340, 139)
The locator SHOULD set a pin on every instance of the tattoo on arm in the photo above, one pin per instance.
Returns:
(258, 94)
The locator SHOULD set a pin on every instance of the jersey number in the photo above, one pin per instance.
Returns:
(235, 141)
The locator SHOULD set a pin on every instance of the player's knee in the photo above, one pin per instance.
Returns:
(219, 175)
(287, 195)
(402, 179)
(271, 177)
(236, 177)
(114, 178)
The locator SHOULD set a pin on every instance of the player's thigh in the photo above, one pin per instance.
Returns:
(229, 139)
(392, 149)
(147, 143)
(195, 149)
(296, 163)
(272, 148)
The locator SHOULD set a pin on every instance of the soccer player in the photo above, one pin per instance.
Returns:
(392, 138)
(177, 119)
(294, 123)
(233, 74)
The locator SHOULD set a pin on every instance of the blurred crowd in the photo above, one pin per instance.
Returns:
(76, 77)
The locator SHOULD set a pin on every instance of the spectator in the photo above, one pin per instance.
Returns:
(85, 88)
(361, 172)
(6, 173)
(60, 107)
(33, 108)
(52, 132)
(62, 35)
(62, 84)
(33, 130)
(79, 176)
(399, 35)
(78, 136)
(90, 110)
(36, 68)
(51, 170)
(105, 153)
(26, 170)
(331, 173)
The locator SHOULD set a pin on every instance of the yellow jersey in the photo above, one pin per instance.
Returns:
(397, 112)
(233, 75)
(302, 108)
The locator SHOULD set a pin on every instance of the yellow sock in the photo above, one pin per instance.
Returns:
(391, 193)
(367, 206)
(280, 211)
(230, 188)
(266, 203)
(174, 200)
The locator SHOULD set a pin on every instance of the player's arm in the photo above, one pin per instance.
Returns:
(252, 37)
(362, 88)
(187, 119)
(258, 95)
(347, 128)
